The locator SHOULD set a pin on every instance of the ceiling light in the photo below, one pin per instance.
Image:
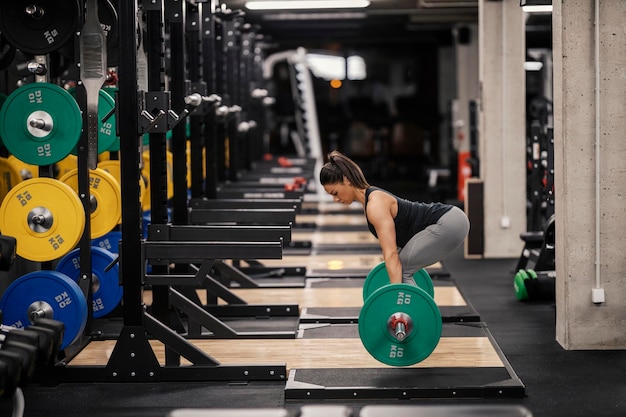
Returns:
(302, 5)
(315, 16)
(533, 65)
(537, 9)
(334, 67)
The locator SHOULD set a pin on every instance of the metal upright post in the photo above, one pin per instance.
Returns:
(133, 337)
(209, 75)
(220, 85)
(175, 16)
(232, 48)
(155, 41)
(194, 26)
(128, 126)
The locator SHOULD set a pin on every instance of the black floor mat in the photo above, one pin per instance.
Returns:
(398, 383)
(328, 384)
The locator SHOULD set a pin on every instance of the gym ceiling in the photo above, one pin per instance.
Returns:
(389, 24)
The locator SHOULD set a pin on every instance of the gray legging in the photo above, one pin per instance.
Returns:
(434, 243)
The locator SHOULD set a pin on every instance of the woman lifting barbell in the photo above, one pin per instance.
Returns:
(412, 235)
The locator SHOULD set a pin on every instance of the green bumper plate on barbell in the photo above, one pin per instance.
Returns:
(423, 332)
(378, 278)
(106, 129)
(106, 289)
(50, 293)
(40, 123)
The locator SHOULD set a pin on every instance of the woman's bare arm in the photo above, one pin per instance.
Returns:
(380, 208)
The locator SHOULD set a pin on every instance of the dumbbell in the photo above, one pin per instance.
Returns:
(49, 339)
(284, 162)
(400, 324)
(37, 336)
(26, 353)
(297, 184)
(530, 285)
(22, 350)
(57, 329)
(10, 370)
(8, 254)
(10, 373)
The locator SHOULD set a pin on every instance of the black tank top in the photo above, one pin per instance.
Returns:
(412, 217)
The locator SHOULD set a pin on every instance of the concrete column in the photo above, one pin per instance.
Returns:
(502, 125)
(590, 172)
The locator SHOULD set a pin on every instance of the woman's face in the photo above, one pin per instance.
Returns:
(342, 192)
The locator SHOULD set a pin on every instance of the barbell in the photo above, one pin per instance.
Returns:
(399, 324)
